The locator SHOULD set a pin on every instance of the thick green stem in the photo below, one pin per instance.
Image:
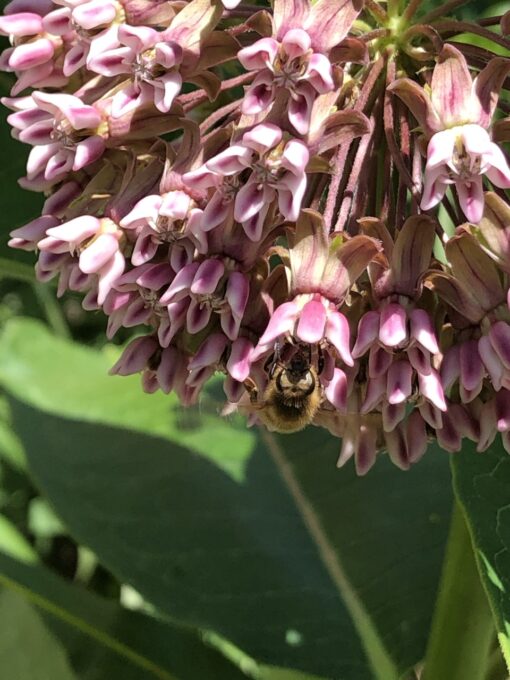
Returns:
(462, 628)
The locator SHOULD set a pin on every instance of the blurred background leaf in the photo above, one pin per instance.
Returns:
(300, 565)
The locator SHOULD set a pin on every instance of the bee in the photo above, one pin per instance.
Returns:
(293, 394)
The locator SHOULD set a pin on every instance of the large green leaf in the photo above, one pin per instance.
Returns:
(28, 651)
(262, 540)
(105, 641)
(482, 485)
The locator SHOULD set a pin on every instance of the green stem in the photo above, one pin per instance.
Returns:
(462, 628)
(19, 271)
(52, 310)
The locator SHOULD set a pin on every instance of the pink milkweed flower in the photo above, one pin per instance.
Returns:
(399, 336)
(150, 59)
(88, 28)
(456, 117)
(171, 219)
(274, 167)
(320, 277)
(201, 289)
(135, 300)
(67, 138)
(96, 243)
(475, 290)
(34, 55)
(161, 368)
(295, 58)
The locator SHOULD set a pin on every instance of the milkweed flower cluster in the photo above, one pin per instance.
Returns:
(240, 183)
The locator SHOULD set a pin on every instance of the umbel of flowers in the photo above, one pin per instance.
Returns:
(307, 198)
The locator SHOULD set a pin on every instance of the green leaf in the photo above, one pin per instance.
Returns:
(105, 641)
(482, 483)
(28, 651)
(14, 543)
(260, 539)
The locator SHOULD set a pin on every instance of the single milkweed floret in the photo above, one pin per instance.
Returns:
(455, 114)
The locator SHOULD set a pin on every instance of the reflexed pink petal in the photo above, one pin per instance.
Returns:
(376, 390)
(258, 96)
(431, 415)
(168, 369)
(28, 55)
(259, 55)
(109, 275)
(230, 324)
(379, 360)
(368, 331)
(147, 208)
(431, 388)
(392, 415)
(27, 237)
(393, 325)
(80, 115)
(145, 248)
(77, 230)
(319, 73)
(164, 97)
(311, 323)
(336, 391)
(399, 385)
(440, 148)
(236, 293)
(175, 204)
(338, 334)
(239, 364)
(94, 13)
(58, 22)
(499, 172)
(21, 24)
(416, 437)
(296, 43)
(249, 201)
(419, 359)
(180, 286)
(207, 277)
(300, 108)
(291, 191)
(450, 367)
(87, 152)
(471, 198)
(502, 405)
(209, 352)
(229, 162)
(499, 335)
(491, 361)
(74, 59)
(422, 330)
(366, 449)
(434, 188)
(295, 156)
(281, 322)
(197, 316)
(397, 448)
(138, 38)
(113, 62)
(97, 254)
(471, 368)
(135, 357)
(254, 227)
(448, 437)
(60, 164)
(263, 137)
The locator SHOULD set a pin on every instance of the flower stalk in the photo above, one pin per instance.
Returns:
(462, 630)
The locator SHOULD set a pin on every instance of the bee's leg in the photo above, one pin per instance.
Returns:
(320, 360)
(274, 360)
(251, 388)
